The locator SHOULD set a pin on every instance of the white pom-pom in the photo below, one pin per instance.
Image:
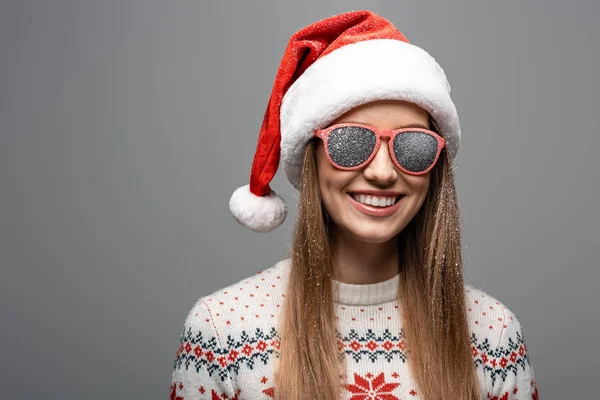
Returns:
(258, 213)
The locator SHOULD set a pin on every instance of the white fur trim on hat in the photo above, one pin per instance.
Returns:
(258, 213)
(355, 74)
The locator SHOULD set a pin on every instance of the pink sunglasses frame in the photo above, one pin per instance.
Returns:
(390, 134)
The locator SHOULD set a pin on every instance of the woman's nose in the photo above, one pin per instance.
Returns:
(381, 168)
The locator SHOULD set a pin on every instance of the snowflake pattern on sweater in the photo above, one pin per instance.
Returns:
(229, 343)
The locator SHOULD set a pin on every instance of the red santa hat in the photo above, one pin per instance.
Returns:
(329, 68)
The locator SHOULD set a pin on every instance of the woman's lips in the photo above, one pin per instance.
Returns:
(375, 211)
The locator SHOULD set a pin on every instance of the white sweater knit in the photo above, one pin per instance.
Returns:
(229, 343)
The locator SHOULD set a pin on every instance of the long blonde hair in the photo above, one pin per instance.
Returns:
(434, 320)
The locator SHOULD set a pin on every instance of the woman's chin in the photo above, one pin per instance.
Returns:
(372, 234)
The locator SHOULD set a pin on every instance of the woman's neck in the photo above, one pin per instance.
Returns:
(359, 262)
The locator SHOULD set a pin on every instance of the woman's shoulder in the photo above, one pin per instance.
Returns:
(498, 346)
(493, 325)
(486, 312)
(249, 303)
(260, 283)
(230, 328)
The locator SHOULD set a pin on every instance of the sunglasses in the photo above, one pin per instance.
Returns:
(351, 146)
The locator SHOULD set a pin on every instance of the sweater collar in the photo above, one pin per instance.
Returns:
(366, 294)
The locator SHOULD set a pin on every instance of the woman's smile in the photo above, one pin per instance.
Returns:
(375, 206)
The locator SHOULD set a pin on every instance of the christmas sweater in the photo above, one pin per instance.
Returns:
(229, 343)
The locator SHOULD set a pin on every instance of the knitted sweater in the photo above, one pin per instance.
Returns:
(229, 343)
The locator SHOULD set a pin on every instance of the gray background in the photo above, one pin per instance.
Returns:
(126, 125)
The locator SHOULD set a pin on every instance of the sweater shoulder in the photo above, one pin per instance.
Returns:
(250, 303)
(498, 347)
(262, 282)
(488, 317)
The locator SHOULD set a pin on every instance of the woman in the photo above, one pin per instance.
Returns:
(371, 303)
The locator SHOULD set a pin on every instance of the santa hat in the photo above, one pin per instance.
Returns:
(329, 68)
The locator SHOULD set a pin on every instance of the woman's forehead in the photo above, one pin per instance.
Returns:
(394, 114)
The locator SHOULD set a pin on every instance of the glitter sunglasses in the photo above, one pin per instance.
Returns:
(350, 146)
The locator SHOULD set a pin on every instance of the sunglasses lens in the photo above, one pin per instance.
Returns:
(350, 146)
(415, 151)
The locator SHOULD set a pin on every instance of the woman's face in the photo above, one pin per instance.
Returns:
(381, 174)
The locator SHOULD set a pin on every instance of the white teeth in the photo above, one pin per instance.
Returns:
(374, 201)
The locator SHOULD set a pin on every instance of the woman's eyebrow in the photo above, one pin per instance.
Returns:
(417, 125)
(414, 126)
